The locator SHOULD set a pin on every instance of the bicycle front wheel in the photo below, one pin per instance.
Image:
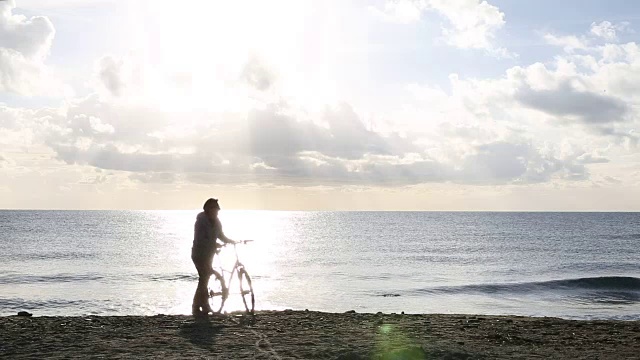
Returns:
(217, 292)
(246, 290)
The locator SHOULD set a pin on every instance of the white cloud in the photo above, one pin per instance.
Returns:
(538, 123)
(400, 11)
(471, 24)
(502, 130)
(602, 31)
(609, 31)
(49, 5)
(167, 87)
(587, 101)
(24, 45)
(595, 99)
(569, 43)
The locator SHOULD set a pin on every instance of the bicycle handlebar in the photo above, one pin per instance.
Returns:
(236, 242)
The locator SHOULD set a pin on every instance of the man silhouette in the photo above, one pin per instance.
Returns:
(207, 230)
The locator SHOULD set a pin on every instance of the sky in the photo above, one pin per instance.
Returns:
(460, 105)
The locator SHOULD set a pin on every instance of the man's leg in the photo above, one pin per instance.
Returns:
(204, 295)
(201, 298)
(208, 270)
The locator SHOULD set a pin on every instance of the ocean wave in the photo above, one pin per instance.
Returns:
(622, 237)
(380, 276)
(22, 304)
(607, 297)
(172, 277)
(618, 267)
(605, 283)
(55, 278)
(51, 256)
(18, 279)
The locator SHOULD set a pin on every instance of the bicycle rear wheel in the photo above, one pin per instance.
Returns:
(217, 292)
(246, 291)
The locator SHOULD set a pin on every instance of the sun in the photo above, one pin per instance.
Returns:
(204, 47)
(213, 34)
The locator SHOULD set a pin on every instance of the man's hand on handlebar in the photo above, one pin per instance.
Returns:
(233, 242)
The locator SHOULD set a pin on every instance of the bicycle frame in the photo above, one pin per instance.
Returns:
(234, 271)
(222, 284)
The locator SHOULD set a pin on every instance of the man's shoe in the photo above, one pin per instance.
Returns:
(209, 310)
(195, 311)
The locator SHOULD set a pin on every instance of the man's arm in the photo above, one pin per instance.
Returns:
(221, 234)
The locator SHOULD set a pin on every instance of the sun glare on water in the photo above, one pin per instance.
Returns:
(263, 228)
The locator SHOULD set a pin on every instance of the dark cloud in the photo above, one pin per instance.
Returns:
(619, 135)
(273, 146)
(111, 158)
(590, 108)
(271, 134)
(503, 162)
(257, 74)
(110, 74)
(274, 134)
(612, 180)
(351, 139)
(405, 174)
(498, 161)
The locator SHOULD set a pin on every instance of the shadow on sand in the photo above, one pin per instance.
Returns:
(201, 332)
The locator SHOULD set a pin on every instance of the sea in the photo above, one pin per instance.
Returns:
(568, 265)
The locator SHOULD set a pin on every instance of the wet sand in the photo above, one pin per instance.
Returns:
(317, 335)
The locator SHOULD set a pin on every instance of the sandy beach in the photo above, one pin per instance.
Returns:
(317, 335)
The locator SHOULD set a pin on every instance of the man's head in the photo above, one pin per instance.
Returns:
(211, 207)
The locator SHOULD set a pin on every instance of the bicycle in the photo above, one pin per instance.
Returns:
(218, 288)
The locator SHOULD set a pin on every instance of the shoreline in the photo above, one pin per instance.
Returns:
(305, 334)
